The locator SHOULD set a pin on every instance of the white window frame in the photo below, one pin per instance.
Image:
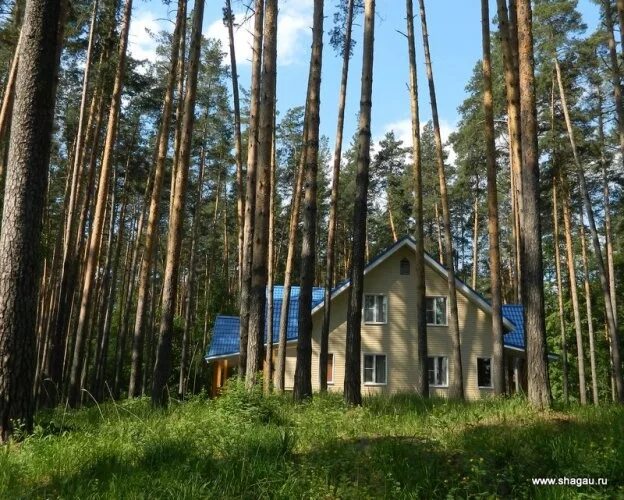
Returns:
(447, 309)
(374, 354)
(491, 386)
(385, 301)
(333, 370)
(445, 385)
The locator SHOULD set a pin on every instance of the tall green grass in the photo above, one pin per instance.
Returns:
(244, 445)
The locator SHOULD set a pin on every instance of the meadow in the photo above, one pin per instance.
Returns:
(245, 445)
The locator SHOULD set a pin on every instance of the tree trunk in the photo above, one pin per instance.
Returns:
(353, 361)
(190, 292)
(475, 244)
(268, 361)
(250, 194)
(493, 227)
(421, 381)
(616, 77)
(136, 366)
(532, 266)
(162, 367)
(615, 342)
(509, 43)
(590, 316)
(567, 224)
(562, 326)
(303, 370)
(333, 204)
(29, 154)
(238, 146)
(290, 258)
(456, 379)
(259, 270)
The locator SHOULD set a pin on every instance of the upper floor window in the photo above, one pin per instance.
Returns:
(375, 308)
(405, 267)
(438, 371)
(375, 369)
(484, 372)
(436, 311)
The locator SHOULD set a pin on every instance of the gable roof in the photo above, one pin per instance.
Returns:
(410, 242)
(226, 332)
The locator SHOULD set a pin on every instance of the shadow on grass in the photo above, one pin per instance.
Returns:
(483, 458)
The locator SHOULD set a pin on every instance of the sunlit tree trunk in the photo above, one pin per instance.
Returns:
(303, 370)
(250, 193)
(604, 280)
(493, 227)
(136, 366)
(98, 218)
(259, 270)
(562, 326)
(456, 378)
(532, 266)
(162, 366)
(353, 361)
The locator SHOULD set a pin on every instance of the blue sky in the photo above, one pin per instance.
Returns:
(455, 39)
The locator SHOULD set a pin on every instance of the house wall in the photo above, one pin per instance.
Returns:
(397, 338)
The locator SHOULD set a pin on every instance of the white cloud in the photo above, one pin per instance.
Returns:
(141, 44)
(293, 33)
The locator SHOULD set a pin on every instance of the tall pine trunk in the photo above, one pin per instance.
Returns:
(136, 366)
(604, 280)
(98, 218)
(456, 379)
(303, 370)
(333, 204)
(532, 266)
(259, 270)
(492, 189)
(24, 200)
(353, 361)
(421, 381)
(162, 367)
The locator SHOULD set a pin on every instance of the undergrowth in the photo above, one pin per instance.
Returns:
(244, 444)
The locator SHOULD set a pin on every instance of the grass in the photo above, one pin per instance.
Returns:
(244, 445)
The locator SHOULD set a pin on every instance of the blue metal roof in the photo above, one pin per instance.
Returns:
(226, 332)
(514, 313)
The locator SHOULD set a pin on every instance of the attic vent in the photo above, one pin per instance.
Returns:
(405, 267)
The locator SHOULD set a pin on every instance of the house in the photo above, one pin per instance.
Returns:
(389, 332)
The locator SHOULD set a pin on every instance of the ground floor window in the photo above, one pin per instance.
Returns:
(330, 368)
(484, 372)
(438, 371)
(375, 369)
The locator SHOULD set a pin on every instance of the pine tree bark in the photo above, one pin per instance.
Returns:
(562, 326)
(333, 204)
(532, 266)
(421, 381)
(353, 361)
(250, 190)
(580, 352)
(162, 367)
(604, 280)
(303, 370)
(259, 270)
(456, 379)
(475, 244)
(290, 259)
(590, 316)
(29, 154)
(493, 223)
(238, 145)
(136, 366)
